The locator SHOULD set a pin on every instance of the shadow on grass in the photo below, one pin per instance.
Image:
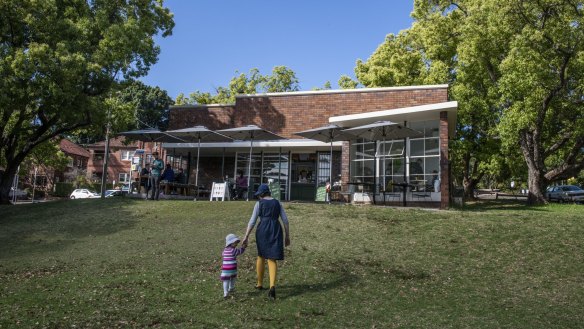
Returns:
(293, 290)
(488, 205)
(54, 226)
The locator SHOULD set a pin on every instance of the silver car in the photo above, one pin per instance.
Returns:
(565, 193)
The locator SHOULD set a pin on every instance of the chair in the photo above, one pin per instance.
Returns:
(421, 193)
(390, 192)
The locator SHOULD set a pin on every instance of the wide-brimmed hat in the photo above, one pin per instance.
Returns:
(263, 189)
(231, 238)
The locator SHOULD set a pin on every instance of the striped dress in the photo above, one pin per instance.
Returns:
(229, 267)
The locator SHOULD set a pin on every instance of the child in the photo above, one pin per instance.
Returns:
(229, 267)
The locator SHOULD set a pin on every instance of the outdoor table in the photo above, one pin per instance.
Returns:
(404, 187)
(362, 188)
(184, 188)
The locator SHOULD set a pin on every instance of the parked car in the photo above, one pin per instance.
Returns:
(20, 194)
(112, 193)
(83, 193)
(565, 193)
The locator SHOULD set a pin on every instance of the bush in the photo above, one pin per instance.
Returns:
(63, 189)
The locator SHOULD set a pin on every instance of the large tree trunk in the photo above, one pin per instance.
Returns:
(533, 154)
(6, 180)
(536, 184)
(469, 185)
(471, 176)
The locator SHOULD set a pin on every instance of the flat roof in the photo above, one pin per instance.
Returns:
(344, 91)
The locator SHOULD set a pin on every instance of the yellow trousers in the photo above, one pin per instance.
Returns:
(272, 268)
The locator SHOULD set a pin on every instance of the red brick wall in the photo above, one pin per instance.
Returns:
(444, 162)
(288, 113)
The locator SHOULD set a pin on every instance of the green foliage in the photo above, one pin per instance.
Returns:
(345, 82)
(63, 189)
(515, 67)
(150, 105)
(282, 79)
(128, 263)
(60, 61)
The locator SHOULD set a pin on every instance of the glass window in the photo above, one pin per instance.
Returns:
(123, 177)
(416, 147)
(432, 146)
(390, 148)
(363, 162)
(127, 155)
(275, 173)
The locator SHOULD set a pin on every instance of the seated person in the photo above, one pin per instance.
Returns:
(168, 174)
(180, 177)
(302, 177)
(240, 185)
(144, 173)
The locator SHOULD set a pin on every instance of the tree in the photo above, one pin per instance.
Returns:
(150, 105)
(345, 82)
(516, 69)
(59, 62)
(282, 79)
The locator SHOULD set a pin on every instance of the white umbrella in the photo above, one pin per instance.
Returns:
(199, 133)
(328, 134)
(383, 130)
(249, 133)
(151, 135)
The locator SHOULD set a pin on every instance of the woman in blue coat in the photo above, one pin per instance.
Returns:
(270, 239)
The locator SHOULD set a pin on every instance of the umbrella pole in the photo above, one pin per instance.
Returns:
(249, 169)
(384, 155)
(330, 173)
(197, 172)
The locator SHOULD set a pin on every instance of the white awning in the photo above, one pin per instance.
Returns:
(296, 145)
(400, 115)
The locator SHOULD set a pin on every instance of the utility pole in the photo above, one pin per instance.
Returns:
(106, 156)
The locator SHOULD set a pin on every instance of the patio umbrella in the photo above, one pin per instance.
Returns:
(383, 130)
(249, 133)
(199, 133)
(151, 135)
(328, 134)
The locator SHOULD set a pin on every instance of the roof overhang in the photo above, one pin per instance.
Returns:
(283, 145)
(401, 115)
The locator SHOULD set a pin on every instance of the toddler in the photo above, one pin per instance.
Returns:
(229, 267)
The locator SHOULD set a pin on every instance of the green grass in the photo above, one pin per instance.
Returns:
(131, 263)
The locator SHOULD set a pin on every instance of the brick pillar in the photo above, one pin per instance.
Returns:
(345, 163)
(444, 162)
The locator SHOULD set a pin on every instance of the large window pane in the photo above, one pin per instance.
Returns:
(416, 147)
(432, 146)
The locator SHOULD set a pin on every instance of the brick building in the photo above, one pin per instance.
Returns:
(356, 165)
(120, 159)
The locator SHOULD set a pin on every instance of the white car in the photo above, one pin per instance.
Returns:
(83, 193)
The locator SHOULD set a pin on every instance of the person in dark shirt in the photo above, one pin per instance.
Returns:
(180, 176)
(168, 174)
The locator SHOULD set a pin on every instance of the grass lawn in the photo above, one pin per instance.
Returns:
(132, 263)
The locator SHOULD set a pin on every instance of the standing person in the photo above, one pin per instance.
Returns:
(269, 240)
(229, 266)
(155, 172)
(240, 184)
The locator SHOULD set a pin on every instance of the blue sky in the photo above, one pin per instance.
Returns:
(318, 40)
